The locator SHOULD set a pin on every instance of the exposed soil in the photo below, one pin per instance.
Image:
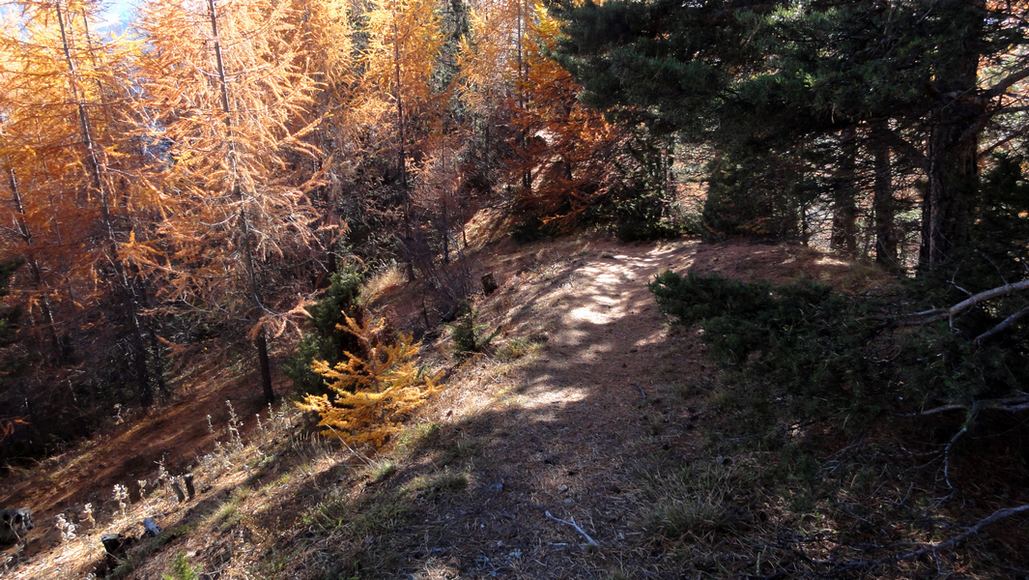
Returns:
(175, 433)
(568, 430)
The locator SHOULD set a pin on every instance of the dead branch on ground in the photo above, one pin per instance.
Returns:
(937, 547)
(575, 526)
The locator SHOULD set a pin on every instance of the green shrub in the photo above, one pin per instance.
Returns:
(531, 228)
(645, 213)
(468, 334)
(182, 569)
(323, 340)
(804, 351)
(643, 205)
(801, 345)
(757, 196)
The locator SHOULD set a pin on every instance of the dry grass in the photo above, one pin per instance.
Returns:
(381, 282)
(198, 529)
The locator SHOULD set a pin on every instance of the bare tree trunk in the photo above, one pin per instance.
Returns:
(398, 98)
(522, 79)
(102, 95)
(844, 221)
(37, 275)
(883, 205)
(249, 263)
(96, 167)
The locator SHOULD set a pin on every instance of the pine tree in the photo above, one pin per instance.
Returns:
(748, 74)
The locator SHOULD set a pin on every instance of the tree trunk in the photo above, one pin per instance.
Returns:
(844, 221)
(95, 165)
(522, 80)
(249, 263)
(398, 98)
(266, 367)
(883, 204)
(957, 122)
(37, 275)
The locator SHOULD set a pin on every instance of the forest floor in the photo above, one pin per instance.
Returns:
(587, 397)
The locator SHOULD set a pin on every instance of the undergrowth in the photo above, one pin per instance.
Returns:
(817, 457)
(806, 352)
(182, 569)
(469, 335)
(324, 340)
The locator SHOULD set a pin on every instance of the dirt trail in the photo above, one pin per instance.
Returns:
(572, 428)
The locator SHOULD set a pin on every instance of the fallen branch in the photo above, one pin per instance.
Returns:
(575, 526)
(1001, 514)
(1008, 405)
(927, 316)
(969, 419)
(1001, 326)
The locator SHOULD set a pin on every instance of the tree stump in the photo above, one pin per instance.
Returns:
(489, 283)
(178, 490)
(190, 490)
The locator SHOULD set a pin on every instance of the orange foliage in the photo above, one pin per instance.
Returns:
(371, 394)
(231, 121)
(561, 148)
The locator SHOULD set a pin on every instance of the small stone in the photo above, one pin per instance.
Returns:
(563, 488)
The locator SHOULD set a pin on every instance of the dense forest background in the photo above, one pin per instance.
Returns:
(223, 170)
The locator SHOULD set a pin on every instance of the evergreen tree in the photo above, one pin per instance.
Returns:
(747, 74)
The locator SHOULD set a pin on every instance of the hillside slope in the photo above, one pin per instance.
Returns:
(586, 393)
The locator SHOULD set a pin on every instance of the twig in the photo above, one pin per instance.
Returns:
(969, 419)
(938, 547)
(354, 452)
(953, 282)
(643, 394)
(1009, 405)
(575, 526)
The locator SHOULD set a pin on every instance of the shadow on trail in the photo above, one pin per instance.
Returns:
(612, 393)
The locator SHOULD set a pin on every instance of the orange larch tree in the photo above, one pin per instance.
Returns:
(401, 56)
(59, 149)
(568, 146)
(560, 148)
(227, 90)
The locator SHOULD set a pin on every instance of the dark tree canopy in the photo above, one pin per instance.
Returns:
(935, 77)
